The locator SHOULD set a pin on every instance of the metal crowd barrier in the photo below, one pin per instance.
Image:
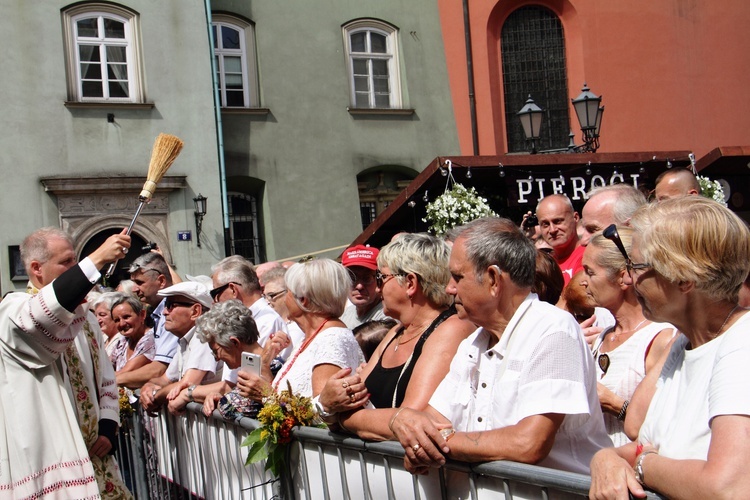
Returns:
(194, 457)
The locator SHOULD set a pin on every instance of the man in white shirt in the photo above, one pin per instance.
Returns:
(235, 278)
(193, 363)
(523, 386)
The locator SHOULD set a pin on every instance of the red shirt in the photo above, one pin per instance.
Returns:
(572, 264)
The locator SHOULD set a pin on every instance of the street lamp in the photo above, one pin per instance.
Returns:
(200, 212)
(531, 120)
(589, 113)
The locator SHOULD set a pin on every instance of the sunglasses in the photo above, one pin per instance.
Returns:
(220, 289)
(380, 278)
(171, 304)
(611, 234)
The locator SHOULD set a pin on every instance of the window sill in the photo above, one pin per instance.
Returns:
(246, 111)
(381, 111)
(109, 105)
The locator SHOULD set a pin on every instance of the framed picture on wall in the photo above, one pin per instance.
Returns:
(17, 271)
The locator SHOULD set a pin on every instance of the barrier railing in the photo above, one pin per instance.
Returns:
(192, 456)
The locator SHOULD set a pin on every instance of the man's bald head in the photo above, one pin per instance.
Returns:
(676, 183)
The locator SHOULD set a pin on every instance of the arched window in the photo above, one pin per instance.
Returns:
(243, 226)
(234, 49)
(533, 56)
(103, 53)
(372, 59)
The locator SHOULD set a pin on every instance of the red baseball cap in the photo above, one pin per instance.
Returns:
(361, 255)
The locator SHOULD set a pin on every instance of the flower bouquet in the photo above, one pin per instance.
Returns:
(126, 409)
(280, 413)
(457, 205)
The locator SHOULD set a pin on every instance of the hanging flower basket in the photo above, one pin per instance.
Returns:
(456, 206)
(711, 189)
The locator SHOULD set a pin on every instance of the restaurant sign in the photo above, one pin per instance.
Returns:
(533, 188)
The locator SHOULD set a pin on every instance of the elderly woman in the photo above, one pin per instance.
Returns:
(137, 346)
(688, 261)
(415, 356)
(317, 293)
(274, 291)
(229, 330)
(631, 348)
(102, 308)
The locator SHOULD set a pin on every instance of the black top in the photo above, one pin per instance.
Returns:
(382, 382)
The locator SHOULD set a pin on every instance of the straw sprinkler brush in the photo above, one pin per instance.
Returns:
(166, 149)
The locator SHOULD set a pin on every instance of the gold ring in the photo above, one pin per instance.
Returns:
(416, 447)
(345, 384)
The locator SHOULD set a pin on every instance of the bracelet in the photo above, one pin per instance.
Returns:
(639, 474)
(321, 409)
(623, 411)
(393, 419)
(190, 393)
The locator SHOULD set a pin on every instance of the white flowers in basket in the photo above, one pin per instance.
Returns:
(711, 189)
(457, 205)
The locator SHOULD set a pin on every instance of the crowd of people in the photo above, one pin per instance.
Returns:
(608, 344)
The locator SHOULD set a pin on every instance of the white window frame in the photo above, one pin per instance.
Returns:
(247, 56)
(131, 42)
(391, 55)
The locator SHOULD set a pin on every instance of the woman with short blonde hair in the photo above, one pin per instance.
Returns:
(692, 416)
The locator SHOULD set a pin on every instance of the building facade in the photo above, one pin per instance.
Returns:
(326, 110)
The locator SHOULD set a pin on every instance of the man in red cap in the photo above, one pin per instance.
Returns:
(365, 302)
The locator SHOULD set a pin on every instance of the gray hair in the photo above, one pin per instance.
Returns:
(498, 241)
(274, 274)
(237, 269)
(628, 199)
(424, 255)
(35, 247)
(127, 298)
(227, 319)
(107, 299)
(323, 282)
(151, 261)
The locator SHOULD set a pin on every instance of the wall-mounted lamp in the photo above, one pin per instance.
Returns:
(531, 120)
(200, 211)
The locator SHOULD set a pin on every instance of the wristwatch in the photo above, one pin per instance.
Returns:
(190, 393)
(326, 416)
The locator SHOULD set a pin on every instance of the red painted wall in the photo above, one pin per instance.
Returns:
(674, 74)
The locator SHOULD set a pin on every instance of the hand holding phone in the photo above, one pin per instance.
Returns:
(251, 363)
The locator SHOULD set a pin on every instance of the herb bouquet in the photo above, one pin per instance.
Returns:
(280, 413)
(711, 189)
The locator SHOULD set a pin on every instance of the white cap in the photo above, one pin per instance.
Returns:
(192, 290)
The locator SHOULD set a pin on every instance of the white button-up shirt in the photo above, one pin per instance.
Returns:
(540, 365)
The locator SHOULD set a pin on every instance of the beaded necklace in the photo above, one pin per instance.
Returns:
(307, 342)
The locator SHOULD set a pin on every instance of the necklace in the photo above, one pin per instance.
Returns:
(395, 348)
(307, 342)
(714, 335)
(615, 336)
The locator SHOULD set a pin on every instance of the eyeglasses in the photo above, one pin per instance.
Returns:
(364, 279)
(271, 296)
(380, 277)
(215, 351)
(220, 289)
(169, 305)
(611, 234)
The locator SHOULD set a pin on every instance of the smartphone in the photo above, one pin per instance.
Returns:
(250, 363)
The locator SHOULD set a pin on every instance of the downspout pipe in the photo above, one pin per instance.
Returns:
(219, 131)
(470, 71)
